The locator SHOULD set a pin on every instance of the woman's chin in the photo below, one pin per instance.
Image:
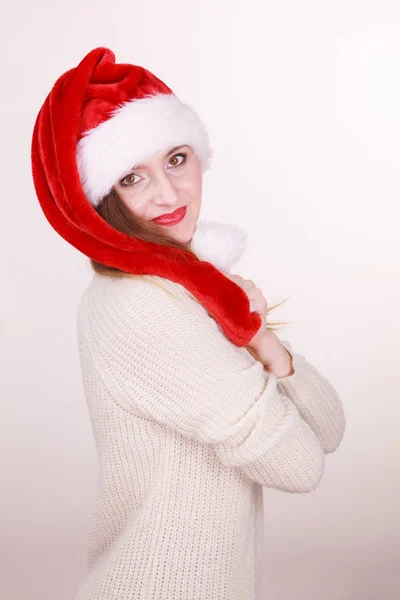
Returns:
(183, 232)
(182, 236)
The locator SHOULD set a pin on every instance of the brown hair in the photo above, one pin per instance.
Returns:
(115, 212)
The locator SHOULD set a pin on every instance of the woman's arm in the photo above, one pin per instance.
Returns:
(162, 357)
(314, 396)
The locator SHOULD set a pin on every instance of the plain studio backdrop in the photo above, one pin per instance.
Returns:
(302, 104)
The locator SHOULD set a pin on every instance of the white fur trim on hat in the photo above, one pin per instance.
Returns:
(135, 131)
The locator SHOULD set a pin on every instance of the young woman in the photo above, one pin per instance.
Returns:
(195, 403)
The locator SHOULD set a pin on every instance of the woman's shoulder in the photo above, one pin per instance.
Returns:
(136, 295)
(135, 286)
(121, 312)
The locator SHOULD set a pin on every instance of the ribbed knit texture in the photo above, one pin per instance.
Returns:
(189, 428)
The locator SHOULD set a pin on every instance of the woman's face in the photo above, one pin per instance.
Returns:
(164, 183)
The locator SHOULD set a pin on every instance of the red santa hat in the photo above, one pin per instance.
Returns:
(99, 120)
(114, 137)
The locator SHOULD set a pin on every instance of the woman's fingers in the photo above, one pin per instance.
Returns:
(256, 298)
(257, 303)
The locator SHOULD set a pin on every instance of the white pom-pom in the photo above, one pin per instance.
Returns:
(221, 244)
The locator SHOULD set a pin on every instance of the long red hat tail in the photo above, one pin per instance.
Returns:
(56, 133)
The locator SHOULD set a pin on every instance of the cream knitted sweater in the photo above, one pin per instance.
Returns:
(189, 428)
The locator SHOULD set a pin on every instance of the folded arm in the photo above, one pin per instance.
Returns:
(316, 399)
(166, 359)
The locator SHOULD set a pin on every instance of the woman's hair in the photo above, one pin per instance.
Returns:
(115, 212)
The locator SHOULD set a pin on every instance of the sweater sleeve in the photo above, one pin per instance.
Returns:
(317, 400)
(162, 357)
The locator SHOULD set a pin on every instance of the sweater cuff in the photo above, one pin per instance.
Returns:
(315, 398)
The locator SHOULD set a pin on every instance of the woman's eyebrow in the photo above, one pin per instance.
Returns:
(175, 149)
(168, 153)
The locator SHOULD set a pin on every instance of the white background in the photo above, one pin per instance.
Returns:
(302, 104)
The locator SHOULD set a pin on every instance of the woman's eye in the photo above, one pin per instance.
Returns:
(129, 179)
(173, 159)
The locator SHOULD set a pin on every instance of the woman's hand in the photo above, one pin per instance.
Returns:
(265, 345)
(258, 304)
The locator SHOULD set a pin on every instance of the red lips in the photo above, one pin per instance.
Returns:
(171, 218)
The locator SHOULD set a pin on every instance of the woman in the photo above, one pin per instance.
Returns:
(195, 403)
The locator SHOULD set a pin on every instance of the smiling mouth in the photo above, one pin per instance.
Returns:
(171, 218)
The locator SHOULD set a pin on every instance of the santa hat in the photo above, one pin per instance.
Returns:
(99, 120)
(117, 133)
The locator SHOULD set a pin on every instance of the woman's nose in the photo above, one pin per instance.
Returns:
(165, 192)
